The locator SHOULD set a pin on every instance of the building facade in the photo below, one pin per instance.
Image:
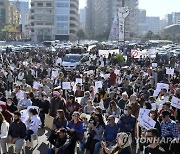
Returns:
(153, 24)
(82, 19)
(4, 8)
(23, 6)
(54, 19)
(142, 26)
(100, 15)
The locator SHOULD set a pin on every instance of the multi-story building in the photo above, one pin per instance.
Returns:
(54, 19)
(23, 6)
(82, 19)
(153, 24)
(176, 18)
(42, 20)
(4, 5)
(100, 15)
(13, 17)
(90, 19)
(66, 19)
(142, 26)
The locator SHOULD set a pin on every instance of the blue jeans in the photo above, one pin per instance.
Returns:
(97, 148)
(28, 135)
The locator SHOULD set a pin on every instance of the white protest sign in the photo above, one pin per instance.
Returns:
(162, 86)
(66, 85)
(98, 84)
(175, 102)
(156, 92)
(154, 64)
(106, 76)
(36, 85)
(79, 80)
(55, 74)
(142, 112)
(154, 106)
(89, 72)
(170, 71)
(147, 122)
(117, 72)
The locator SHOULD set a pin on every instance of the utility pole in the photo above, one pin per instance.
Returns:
(123, 3)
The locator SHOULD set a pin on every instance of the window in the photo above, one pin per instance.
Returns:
(48, 11)
(32, 11)
(62, 4)
(62, 32)
(63, 25)
(39, 23)
(39, 4)
(62, 18)
(39, 11)
(49, 4)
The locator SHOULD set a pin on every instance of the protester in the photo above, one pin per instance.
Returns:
(122, 146)
(32, 124)
(3, 133)
(59, 121)
(154, 147)
(57, 102)
(17, 132)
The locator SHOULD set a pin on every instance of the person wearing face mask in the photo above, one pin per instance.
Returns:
(127, 121)
(32, 124)
(11, 106)
(17, 132)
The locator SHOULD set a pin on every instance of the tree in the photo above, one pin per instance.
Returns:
(81, 34)
(149, 35)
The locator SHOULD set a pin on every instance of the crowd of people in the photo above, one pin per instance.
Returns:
(100, 110)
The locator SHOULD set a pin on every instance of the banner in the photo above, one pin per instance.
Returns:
(98, 84)
(170, 71)
(66, 85)
(147, 122)
(175, 102)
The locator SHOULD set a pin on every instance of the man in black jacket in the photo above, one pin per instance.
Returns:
(63, 142)
(17, 132)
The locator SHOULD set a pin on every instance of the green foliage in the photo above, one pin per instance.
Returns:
(81, 34)
(120, 58)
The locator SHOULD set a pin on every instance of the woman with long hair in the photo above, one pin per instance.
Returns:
(98, 128)
(4, 128)
(75, 129)
(113, 109)
(59, 121)
(97, 99)
(123, 145)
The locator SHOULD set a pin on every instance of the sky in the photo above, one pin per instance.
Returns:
(153, 7)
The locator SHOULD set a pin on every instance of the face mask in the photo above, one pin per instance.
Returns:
(9, 104)
(0, 109)
(126, 112)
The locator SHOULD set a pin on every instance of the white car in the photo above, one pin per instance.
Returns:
(73, 61)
